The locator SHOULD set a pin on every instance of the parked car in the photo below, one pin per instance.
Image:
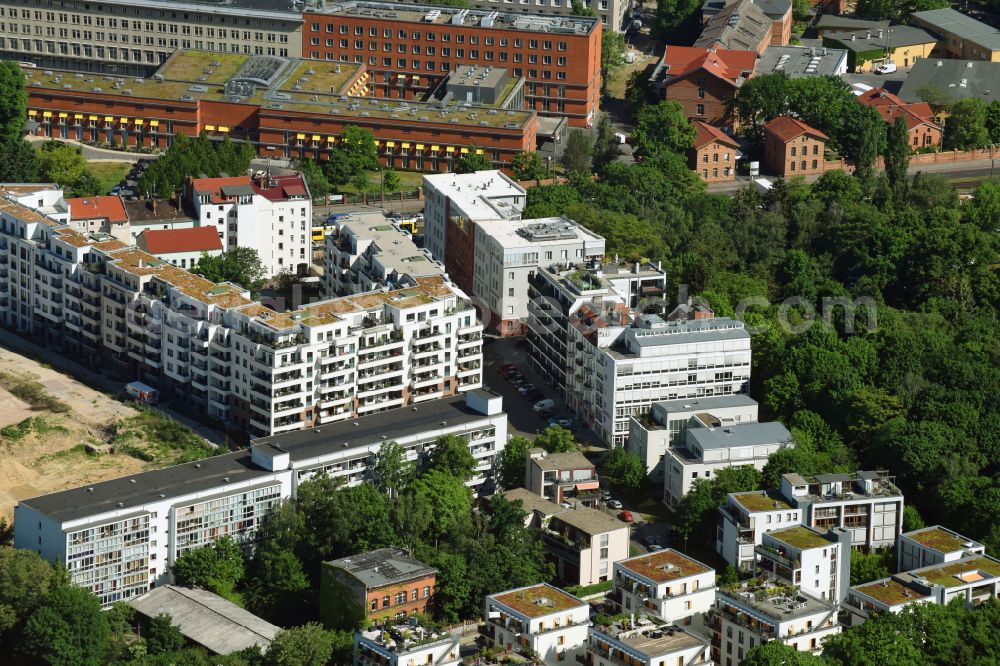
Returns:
(525, 389)
(506, 367)
(625, 516)
(562, 423)
(614, 504)
(605, 495)
(653, 547)
(542, 405)
(517, 381)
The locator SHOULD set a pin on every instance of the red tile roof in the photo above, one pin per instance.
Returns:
(172, 241)
(891, 106)
(706, 134)
(91, 208)
(787, 128)
(722, 63)
(281, 188)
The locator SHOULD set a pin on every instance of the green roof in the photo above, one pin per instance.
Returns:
(800, 537)
(760, 500)
(961, 572)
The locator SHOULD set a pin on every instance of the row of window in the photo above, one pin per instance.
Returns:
(77, 19)
(66, 33)
(115, 53)
(445, 37)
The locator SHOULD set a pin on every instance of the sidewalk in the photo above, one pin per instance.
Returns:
(92, 154)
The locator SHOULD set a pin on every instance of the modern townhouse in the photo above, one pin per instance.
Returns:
(405, 645)
(562, 477)
(667, 584)
(540, 620)
(585, 544)
(816, 563)
(366, 252)
(645, 642)
(744, 519)
(118, 538)
(270, 214)
(885, 595)
(745, 617)
(933, 545)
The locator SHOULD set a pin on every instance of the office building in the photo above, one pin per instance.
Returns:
(180, 247)
(405, 644)
(744, 519)
(666, 584)
(366, 252)
(816, 563)
(746, 617)
(118, 538)
(797, 62)
(540, 619)
(562, 477)
(364, 589)
(410, 49)
(645, 642)
(933, 545)
(960, 36)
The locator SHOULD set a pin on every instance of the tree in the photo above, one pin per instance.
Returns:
(18, 161)
(662, 127)
(13, 102)
(513, 461)
(965, 127)
(671, 14)
(866, 567)
(801, 9)
(315, 179)
(86, 185)
(578, 152)
(162, 636)
(612, 54)
(527, 165)
(475, 160)
(277, 585)
(449, 500)
(993, 121)
(67, 629)
(897, 158)
(216, 567)
(193, 156)
(776, 653)
(339, 521)
(625, 468)
(391, 181)
(758, 100)
(25, 580)
(355, 154)
(605, 145)
(308, 645)
(696, 511)
(391, 470)
(556, 439)
(451, 455)
(578, 9)
(911, 519)
(729, 577)
(60, 163)
(240, 265)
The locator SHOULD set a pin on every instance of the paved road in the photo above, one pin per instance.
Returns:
(92, 154)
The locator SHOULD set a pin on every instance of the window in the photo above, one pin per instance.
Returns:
(374, 604)
(385, 601)
(700, 110)
(793, 151)
(701, 93)
(427, 591)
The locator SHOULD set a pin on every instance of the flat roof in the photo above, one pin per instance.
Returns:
(481, 195)
(775, 605)
(590, 521)
(739, 434)
(801, 537)
(566, 460)
(961, 25)
(373, 429)
(538, 600)
(269, 9)
(386, 566)
(397, 252)
(799, 61)
(705, 404)
(207, 619)
(544, 231)
(664, 566)
(653, 640)
(953, 574)
(957, 79)
(681, 332)
(890, 592)
(760, 500)
(836, 22)
(940, 539)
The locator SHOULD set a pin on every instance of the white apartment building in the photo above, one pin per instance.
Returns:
(746, 617)
(136, 37)
(271, 214)
(119, 537)
(744, 519)
(933, 545)
(816, 563)
(667, 584)
(508, 252)
(541, 619)
(366, 252)
(585, 544)
(453, 199)
(885, 595)
(405, 645)
(645, 642)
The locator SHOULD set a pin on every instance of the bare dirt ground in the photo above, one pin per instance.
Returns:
(42, 451)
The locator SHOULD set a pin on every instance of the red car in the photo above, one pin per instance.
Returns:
(626, 516)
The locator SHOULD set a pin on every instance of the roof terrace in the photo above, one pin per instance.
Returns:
(538, 600)
(664, 566)
(890, 592)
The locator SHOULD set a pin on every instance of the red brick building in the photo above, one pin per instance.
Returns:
(410, 49)
(792, 148)
(923, 130)
(702, 79)
(713, 155)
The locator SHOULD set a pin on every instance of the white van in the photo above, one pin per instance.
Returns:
(886, 68)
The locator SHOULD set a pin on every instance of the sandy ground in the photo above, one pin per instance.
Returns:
(53, 460)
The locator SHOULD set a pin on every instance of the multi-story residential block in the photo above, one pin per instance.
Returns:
(180, 247)
(561, 477)
(792, 147)
(405, 645)
(702, 79)
(541, 620)
(383, 584)
(866, 504)
(922, 129)
(746, 617)
(959, 35)
(667, 584)
(816, 563)
(366, 252)
(133, 38)
(271, 214)
(118, 538)
(713, 154)
(744, 519)
(886, 595)
(410, 49)
(585, 543)
(156, 214)
(933, 545)
(102, 214)
(645, 642)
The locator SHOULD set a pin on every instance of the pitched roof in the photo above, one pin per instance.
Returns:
(706, 134)
(890, 107)
(723, 63)
(281, 188)
(956, 79)
(742, 25)
(88, 208)
(171, 241)
(383, 567)
(218, 187)
(787, 128)
(961, 25)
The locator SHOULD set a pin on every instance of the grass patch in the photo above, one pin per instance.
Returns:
(109, 174)
(152, 437)
(78, 450)
(408, 180)
(36, 424)
(587, 590)
(32, 392)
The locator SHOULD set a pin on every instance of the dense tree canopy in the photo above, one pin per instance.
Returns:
(240, 265)
(193, 157)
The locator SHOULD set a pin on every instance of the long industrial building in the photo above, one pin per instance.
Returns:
(119, 538)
